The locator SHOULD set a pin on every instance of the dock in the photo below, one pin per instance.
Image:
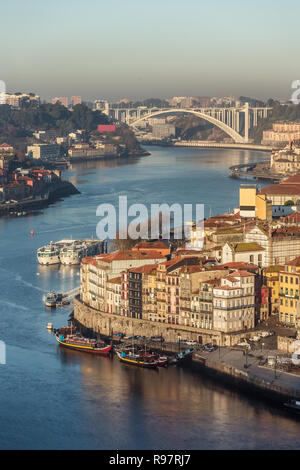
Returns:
(247, 171)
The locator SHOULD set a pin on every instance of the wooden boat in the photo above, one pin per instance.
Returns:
(137, 360)
(163, 361)
(79, 343)
(182, 357)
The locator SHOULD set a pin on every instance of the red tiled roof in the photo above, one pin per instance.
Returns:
(115, 280)
(294, 262)
(295, 179)
(5, 145)
(242, 274)
(237, 265)
(146, 269)
(288, 189)
(294, 217)
(124, 255)
(153, 245)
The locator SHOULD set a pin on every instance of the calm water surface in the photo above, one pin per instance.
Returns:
(52, 398)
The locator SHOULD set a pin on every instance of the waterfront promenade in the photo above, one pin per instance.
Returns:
(207, 144)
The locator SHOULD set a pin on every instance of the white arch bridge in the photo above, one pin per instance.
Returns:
(227, 119)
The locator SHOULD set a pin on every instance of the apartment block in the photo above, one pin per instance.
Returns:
(234, 302)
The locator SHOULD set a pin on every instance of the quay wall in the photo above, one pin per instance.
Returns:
(106, 323)
(244, 381)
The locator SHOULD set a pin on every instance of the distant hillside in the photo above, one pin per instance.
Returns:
(280, 112)
(17, 125)
(192, 128)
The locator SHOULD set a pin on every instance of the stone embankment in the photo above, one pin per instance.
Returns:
(228, 363)
(50, 194)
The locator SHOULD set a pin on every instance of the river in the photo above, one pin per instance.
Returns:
(56, 399)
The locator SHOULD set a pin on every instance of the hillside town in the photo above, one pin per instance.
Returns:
(246, 277)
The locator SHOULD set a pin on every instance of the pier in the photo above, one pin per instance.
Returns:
(247, 171)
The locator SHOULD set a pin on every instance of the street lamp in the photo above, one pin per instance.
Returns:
(179, 339)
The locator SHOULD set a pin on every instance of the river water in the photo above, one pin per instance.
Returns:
(53, 398)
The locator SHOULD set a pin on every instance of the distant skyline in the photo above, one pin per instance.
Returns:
(139, 49)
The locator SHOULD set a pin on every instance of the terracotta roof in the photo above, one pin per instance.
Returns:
(284, 189)
(237, 265)
(231, 277)
(146, 269)
(192, 269)
(294, 217)
(115, 280)
(294, 262)
(5, 145)
(295, 179)
(151, 245)
(124, 255)
(242, 274)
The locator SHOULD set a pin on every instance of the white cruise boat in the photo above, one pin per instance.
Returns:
(49, 254)
(73, 253)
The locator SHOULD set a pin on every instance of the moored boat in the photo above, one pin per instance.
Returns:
(51, 300)
(48, 254)
(67, 338)
(137, 360)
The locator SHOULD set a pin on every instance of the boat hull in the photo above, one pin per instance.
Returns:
(87, 349)
(133, 362)
(48, 261)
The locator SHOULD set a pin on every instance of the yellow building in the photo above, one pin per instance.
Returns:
(271, 274)
(253, 204)
(289, 292)
(263, 207)
(248, 200)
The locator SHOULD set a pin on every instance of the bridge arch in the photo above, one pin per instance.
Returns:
(224, 127)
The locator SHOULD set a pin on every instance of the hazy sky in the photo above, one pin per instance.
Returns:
(147, 48)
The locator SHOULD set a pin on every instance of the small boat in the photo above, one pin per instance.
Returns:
(183, 356)
(51, 300)
(293, 405)
(49, 326)
(137, 360)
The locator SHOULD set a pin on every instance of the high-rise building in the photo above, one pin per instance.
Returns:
(63, 100)
(76, 100)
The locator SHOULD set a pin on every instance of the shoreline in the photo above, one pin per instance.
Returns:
(50, 195)
(212, 145)
(226, 364)
(223, 374)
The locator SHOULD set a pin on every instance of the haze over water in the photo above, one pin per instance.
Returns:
(53, 398)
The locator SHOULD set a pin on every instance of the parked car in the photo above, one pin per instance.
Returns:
(255, 338)
(264, 334)
(244, 344)
(191, 342)
(156, 338)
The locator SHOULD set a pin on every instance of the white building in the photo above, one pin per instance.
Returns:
(233, 302)
(251, 252)
(43, 151)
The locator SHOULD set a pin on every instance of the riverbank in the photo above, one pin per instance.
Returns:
(230, 367)
(52, 192)
(228, 363)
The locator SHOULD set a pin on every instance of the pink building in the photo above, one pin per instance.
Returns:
(63, 100)
(76, 100)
